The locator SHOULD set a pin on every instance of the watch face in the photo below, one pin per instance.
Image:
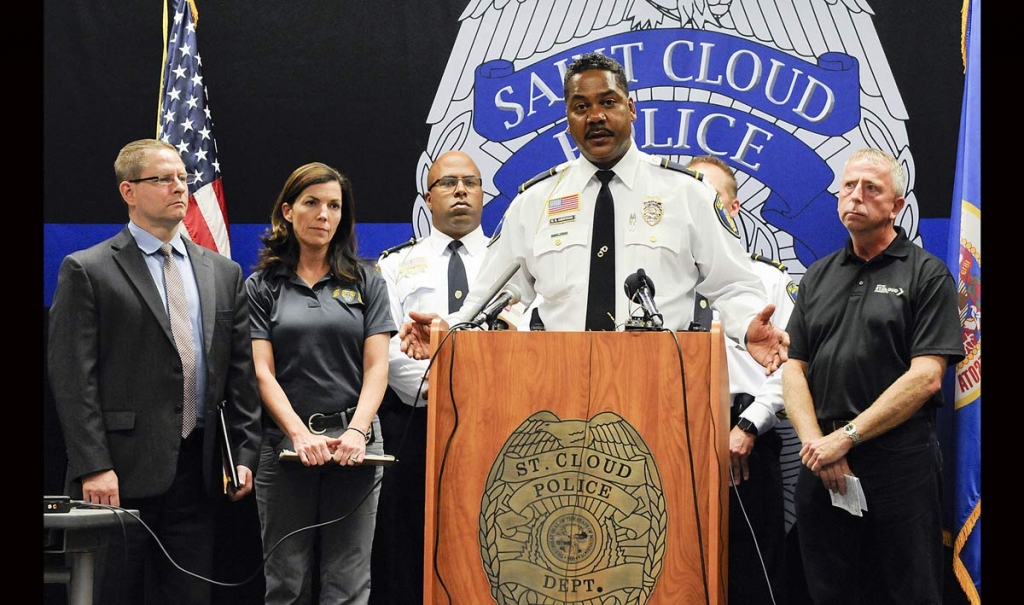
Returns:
(851, 432)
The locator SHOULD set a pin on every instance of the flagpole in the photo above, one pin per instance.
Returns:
(163, 62)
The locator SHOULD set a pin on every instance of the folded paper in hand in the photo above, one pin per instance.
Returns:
(853, 501)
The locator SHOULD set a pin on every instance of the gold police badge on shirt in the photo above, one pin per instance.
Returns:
(347, 296)
(653, 210)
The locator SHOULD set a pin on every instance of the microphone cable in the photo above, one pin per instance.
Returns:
(266, 557)
(448, 442)
(689, 455)
(263, 562)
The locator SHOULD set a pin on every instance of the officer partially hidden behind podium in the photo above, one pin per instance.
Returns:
(429, 275)
(756, 506)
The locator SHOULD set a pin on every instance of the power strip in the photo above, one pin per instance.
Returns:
(56, 504)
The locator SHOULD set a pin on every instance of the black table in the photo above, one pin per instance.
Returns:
(80, 533)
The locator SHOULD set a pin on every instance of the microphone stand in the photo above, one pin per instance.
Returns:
(642, 324)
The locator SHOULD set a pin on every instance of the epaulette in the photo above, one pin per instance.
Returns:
(667, 163)
(411, 241)
(769, 261)
(540, 177)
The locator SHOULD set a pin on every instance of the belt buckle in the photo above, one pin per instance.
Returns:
(309, 423)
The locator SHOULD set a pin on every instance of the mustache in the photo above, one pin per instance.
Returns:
(598, 130)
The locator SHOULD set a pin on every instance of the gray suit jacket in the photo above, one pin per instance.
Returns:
(117, 377)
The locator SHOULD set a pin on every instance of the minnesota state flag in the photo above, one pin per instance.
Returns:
(962, 445)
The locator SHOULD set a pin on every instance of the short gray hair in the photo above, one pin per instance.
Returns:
(877, 156)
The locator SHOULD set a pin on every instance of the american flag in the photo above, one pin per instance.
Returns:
(184, 121)
(564, 204)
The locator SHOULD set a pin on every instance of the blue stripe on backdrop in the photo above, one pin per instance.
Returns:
(61, 239)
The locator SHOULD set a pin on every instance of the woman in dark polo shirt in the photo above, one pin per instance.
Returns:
(320, 331)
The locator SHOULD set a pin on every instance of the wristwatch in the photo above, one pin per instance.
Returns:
(851, 432)
(747, 426)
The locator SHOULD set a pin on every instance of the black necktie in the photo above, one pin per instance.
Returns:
(458, 285)
(702, 314)
(601, 293)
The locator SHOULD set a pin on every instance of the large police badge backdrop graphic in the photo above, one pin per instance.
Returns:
(782, 91)
(573, 511)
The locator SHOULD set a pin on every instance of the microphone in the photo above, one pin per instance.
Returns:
(640, 289)
(509, 295)
(472, 308)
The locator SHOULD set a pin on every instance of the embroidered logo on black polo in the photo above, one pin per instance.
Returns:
(884, 289)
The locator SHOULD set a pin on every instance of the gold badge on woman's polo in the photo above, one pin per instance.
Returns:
(346, 296)
(573, 512)
(653, 210)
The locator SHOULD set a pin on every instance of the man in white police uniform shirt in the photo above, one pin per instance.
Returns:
(757, 523)
(666, 221)
(417, 277)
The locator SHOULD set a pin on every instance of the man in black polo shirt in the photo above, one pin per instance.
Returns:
(874, 328)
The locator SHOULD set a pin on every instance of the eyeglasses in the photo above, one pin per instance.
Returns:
(448, 183)
(166, 179)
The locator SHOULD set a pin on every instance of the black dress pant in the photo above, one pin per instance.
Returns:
(183, 520)
(397, 559)
(893, 553)
(759, 502)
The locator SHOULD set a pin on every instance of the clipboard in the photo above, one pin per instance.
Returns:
(369, 459)
(231, 472)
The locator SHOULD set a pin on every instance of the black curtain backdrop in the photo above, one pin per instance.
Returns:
(349, 84)
(293, 82)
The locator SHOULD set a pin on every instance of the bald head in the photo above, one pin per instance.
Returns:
(455, 208)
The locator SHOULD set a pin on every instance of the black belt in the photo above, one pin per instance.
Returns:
(319, 423)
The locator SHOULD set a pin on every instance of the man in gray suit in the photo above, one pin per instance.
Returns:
(148, 334)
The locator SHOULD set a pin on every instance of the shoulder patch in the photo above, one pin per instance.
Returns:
(411, 241)
(497, 230)
(769, 261)
(540, 177)
(720, 210)
(725, 218)
(792, 289)
(669, 164)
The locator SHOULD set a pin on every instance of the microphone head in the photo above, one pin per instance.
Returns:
(517, 295)
(637, 280)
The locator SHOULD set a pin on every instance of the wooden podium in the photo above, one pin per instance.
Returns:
(569, 467)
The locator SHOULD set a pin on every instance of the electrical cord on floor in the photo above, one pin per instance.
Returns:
(256, 572)
(757, 547)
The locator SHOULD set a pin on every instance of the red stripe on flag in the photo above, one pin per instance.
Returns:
(218, 190)
(198, 230)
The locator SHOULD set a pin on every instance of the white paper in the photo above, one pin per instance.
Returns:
(853, 501)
